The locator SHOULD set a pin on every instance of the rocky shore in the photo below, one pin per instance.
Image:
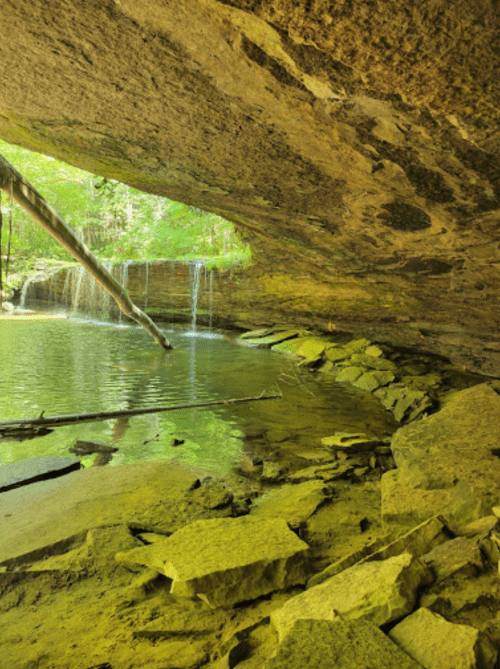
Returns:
(372, 552)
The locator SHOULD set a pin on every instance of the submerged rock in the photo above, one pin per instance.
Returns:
(349, 442)
(319, 644)
(227, 560)
(24, 472)
(437, 644)
(379, 592)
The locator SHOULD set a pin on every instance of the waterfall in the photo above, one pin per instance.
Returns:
(195, 286)
(86, 294)
(146, 286)
(211, 300)
(123, 280)
(24, 292)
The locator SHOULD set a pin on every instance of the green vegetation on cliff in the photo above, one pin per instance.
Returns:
(116, 221)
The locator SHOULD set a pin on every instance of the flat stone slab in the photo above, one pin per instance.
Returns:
(437, 644)
(319, 644)
(24, 472)
(456, 448)
(153, 496)
(226, 560)
(379, 592)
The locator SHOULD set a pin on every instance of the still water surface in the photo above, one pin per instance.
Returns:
(72, 366)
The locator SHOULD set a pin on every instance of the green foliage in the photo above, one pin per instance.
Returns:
(116, 221)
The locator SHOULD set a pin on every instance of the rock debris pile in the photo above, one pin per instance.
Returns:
(161, 566)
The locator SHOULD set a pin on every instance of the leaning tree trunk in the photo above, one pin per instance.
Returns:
(13, 183)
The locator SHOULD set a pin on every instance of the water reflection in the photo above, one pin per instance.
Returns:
(76, 366)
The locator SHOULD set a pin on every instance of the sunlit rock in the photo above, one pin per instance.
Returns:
(311, 644)
(225, 561)
(378, 592)
(435, 643)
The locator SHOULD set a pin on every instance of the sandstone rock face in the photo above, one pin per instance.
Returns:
(314, 644)
(447, 463)
(356, 146)
(375, 591)
(435, 643)
(226, 560)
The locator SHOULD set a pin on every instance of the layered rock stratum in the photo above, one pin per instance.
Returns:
(356, 145)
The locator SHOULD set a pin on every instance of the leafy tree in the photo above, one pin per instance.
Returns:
(117, 222)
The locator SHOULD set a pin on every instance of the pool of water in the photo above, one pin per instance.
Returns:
(70, 366)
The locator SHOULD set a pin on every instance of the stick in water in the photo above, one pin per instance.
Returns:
(54, 421)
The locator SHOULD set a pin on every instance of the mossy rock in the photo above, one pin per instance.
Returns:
(373, 380)
(290, 346)
(271, 339)
(350, 374)
(356, 345)
(373, 362)
(312, 348)
(336, 353)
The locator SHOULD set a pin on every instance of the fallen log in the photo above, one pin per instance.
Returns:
(22, 192)
(31, 424)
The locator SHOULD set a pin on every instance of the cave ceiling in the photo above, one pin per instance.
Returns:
(355, 143)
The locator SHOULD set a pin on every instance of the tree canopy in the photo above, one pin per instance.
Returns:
(115, 221)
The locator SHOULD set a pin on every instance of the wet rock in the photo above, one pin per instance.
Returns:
(25, 472)
(226, 560)
(320, 644)
(438, 644)
(457, 556)
(82, 447)
(418, 541)
(371, 362)
(350, 374)
(312, 348)
(374, 351)
(379, 592)
(407, 405)
(8, 306)
(268, 340)
(351, 442)
(291, 346)
(370, 381)
(357, 345)
(336, 353)
(447, 463)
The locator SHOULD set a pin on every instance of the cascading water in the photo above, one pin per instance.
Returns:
(195, 268)
(146, 284)
(24, 293)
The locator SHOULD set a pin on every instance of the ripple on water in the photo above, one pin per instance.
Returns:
(77, 366)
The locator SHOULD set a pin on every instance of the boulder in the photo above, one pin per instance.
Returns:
(24, 472)
(447, 463)
(321, 644)
(379, 592)
(226, 560)
(436, 643)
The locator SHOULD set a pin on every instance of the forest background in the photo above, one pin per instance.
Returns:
(115, 221)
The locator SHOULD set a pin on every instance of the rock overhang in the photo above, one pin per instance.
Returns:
(357, 147)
